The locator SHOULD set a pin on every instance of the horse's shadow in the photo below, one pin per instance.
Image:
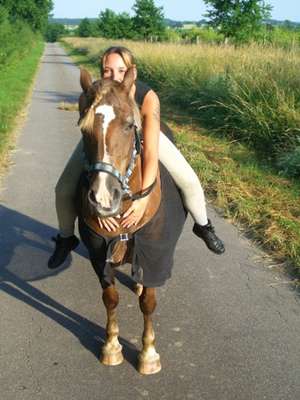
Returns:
(25, 248)
(53, 96)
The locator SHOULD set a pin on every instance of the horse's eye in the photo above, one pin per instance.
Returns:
(129, 126)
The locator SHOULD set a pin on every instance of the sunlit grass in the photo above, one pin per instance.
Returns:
(266, 206)
(247, 96)
(15, 81)
(251, 93)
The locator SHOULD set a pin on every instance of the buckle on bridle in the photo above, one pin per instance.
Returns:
(124, 237)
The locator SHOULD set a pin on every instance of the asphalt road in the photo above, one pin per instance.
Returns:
(227, 326)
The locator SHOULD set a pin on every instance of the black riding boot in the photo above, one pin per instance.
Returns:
(63, 246)
(207, 233)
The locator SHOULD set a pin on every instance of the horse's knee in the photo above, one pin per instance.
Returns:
(110, 297)
(148, 301)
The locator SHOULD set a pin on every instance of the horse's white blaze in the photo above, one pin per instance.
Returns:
(100, 188)
(101, 191)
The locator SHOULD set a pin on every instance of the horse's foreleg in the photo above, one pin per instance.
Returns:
(149, 360)
(138, 289)
(112, 349)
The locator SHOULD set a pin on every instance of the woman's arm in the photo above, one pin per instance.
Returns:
(150, 113)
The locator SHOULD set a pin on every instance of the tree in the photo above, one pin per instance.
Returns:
(125, 26)
(87, 28)
(54, 31)
(3, 14)
(34, 12)
(240, 20)
(107, 23)
(115, 26)
(148, 21)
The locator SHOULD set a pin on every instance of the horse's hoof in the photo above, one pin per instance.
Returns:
(138, 289)
(112, 357)
(149, 367)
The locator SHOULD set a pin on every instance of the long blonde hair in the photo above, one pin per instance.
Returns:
(129, 61)
(87, 122)
(123, 52)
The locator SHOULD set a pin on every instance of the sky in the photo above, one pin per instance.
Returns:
(173, 9)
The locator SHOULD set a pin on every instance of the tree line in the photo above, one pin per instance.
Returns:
(146, 24)
(235, 20)
(34, 13)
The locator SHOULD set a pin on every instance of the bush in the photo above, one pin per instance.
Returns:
(289, 164)
(201, 35)
(16, 40)
(54, 32)
(250, 94)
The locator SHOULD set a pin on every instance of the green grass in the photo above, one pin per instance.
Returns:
(251, 93)
(243, 186)
(247, 192)
(15, 81)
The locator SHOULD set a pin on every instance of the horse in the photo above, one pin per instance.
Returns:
(111, 180)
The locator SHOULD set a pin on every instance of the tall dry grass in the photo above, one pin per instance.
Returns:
(251, 93)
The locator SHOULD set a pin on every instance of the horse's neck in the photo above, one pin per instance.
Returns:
(137, 176)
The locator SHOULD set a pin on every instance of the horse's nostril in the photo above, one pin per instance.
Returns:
(92, 197)
(116, 194)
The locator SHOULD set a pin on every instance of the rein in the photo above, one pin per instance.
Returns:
(123, 179)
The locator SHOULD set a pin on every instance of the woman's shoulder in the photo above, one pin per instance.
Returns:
(141, 91)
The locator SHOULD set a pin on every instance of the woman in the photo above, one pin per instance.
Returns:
(156, 146)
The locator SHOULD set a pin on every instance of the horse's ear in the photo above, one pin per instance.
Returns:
(129, 78)
(85, 79)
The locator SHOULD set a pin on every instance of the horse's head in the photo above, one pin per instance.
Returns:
(107, 122)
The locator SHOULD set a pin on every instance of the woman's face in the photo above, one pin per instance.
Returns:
(114, 67)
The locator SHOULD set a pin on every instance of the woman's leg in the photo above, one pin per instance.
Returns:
(65, 191)
(185, 178)
(192, 192)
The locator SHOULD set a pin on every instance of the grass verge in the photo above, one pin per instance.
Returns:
(245, 190)
(263, 204)
(15, 81)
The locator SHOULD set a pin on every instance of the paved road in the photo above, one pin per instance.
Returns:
(227, 327)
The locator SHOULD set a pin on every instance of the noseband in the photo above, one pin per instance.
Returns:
(123, 179)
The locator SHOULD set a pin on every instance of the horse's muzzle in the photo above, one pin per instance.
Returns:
(106, 211)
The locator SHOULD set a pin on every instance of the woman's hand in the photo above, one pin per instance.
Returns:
(110, 224)
(135, 212)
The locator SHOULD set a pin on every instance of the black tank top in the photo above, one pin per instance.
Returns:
(140, 93)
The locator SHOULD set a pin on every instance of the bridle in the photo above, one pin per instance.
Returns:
(100, 166)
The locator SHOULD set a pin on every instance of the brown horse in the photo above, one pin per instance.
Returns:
(111, 181)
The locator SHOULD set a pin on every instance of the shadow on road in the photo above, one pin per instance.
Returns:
(52, 96)
(57, 62)
(25, 248)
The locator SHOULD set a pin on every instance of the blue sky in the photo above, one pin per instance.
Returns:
(174, 9)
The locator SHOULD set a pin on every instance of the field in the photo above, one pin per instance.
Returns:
(230, 133)
(249, 94)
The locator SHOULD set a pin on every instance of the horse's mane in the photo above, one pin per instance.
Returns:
(96, 93)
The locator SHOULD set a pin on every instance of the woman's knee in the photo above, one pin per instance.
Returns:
(190, 179)
(63, 191)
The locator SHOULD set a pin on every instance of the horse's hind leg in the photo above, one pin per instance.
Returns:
(149, 360)
(112, 349)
